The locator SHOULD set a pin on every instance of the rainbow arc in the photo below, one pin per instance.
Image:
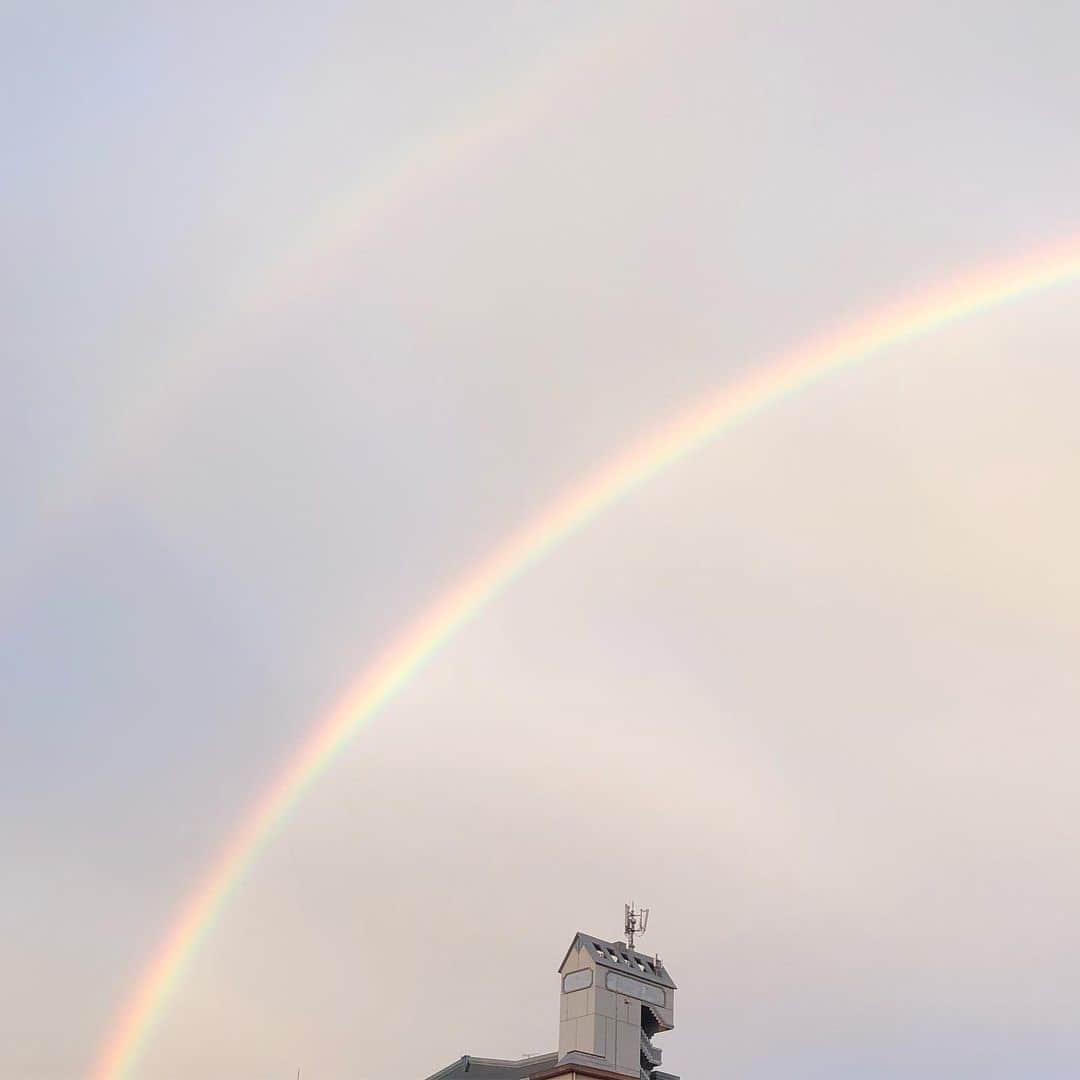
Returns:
(797, 370)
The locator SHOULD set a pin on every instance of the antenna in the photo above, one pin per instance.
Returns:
(635, 922)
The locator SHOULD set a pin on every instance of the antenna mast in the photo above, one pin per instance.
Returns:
(635, 922)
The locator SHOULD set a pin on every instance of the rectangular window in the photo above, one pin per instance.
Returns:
(577, 980)
(623, 984)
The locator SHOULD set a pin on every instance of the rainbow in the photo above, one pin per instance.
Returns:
(765, 385)
(311, 257)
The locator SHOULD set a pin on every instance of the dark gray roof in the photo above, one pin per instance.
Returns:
(477, 1068)
(617, 956)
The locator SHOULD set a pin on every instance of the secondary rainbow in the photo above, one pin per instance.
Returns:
(793, 371)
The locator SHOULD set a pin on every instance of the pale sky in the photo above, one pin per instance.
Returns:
(307, 306)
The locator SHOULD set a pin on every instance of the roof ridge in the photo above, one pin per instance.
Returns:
(512, 1061)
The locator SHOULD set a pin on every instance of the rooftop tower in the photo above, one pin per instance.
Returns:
(613, 1000)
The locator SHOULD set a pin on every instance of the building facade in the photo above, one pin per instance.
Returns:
(613, 1000)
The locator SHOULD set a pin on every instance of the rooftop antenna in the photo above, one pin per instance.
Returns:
(635, 922)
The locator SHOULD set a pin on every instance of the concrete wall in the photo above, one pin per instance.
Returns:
(599, 1022)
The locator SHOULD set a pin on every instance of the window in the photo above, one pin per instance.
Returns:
(624, 984)
(577, 980)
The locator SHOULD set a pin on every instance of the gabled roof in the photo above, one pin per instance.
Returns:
(617, 956)
(495, 1068)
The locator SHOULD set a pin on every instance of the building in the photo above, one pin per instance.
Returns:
(613, 1000)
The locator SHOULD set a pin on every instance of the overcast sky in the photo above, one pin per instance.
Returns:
(306, 305)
